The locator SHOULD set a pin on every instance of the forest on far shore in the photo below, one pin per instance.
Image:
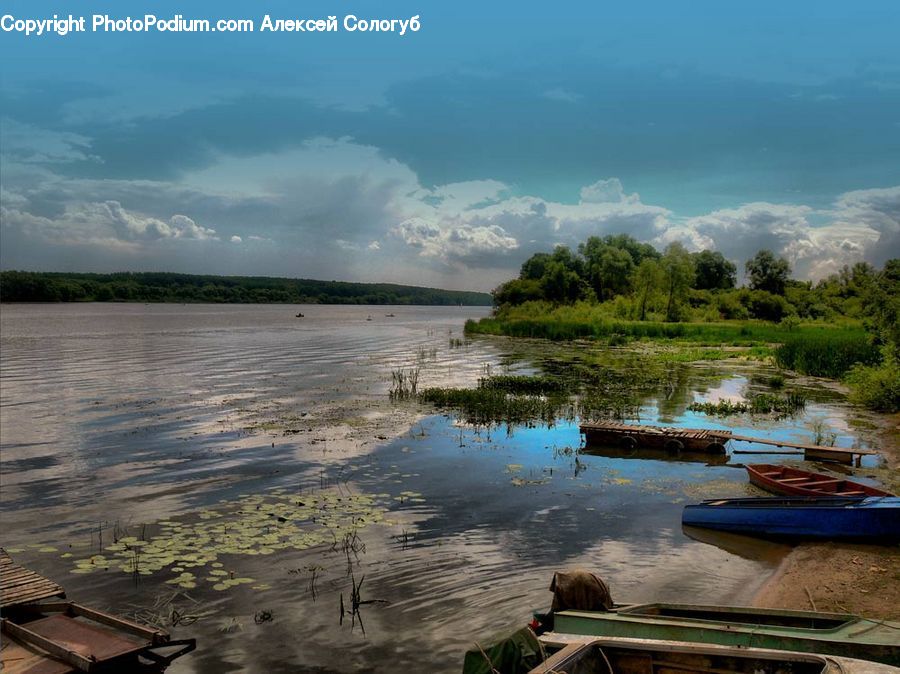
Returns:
(22, 286)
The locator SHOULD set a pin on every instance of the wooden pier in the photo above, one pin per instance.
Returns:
(19, 585)
(711, 440)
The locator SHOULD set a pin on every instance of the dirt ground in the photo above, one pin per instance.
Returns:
(844, 578)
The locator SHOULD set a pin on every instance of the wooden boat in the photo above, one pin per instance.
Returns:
(836, 634)
(588, 655)
(64, 637)
(796, 482)
(874, 518)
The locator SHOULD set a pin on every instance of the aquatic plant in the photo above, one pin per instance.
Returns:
(252, 525)
(404, 384)
(523, 384)
(822, 433)
(763, 403)
(826, 355)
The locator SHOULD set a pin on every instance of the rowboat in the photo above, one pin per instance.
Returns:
(62, 637)
(796, 482)
(874, 518)
(588, 655)
(834, 634)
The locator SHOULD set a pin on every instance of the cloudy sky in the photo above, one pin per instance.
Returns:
(447, 156)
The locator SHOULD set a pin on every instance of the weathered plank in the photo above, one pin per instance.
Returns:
(19, 585)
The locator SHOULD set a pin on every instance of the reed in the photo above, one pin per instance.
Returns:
(763, 403)
(826, 355)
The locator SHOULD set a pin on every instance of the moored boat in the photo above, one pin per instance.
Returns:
(796, 482)
(874, 518)
(841, 635)
(588, 655)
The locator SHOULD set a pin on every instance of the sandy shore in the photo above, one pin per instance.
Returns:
(844, 578)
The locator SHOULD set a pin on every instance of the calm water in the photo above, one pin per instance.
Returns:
(115, 418)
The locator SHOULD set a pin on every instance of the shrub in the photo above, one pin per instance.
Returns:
(876, 386)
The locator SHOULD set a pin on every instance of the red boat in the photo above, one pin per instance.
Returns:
(796, 482)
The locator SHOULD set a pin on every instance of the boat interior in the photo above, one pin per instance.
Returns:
(798, 619)
(599, 657)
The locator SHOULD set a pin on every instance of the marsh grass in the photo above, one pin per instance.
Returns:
(827, 355)
(587, 321)
(404, 384)
(789, 404)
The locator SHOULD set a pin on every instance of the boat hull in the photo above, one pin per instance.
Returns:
(642, 656)
(800, 631)
(875, 519)
(796, 482)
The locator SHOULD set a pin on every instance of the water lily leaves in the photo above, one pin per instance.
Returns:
(258, 524)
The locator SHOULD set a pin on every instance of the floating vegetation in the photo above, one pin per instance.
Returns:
(524, 384)
(763, 403)
(486, 406)
(252, 525)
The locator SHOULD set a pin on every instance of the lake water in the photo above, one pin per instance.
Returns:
(243, 444)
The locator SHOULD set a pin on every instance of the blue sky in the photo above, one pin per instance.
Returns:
(447, 156)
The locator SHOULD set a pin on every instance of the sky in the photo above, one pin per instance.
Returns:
(447, 156)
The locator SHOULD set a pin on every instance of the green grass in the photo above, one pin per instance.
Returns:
(826, 354)
(581, 321)
(764, 403)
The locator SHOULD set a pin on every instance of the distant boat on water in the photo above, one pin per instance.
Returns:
(299, 316)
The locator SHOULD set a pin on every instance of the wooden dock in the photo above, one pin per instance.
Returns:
(19, 585)
(711, 440)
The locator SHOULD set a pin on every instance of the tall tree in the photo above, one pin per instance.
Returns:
(534, 267)
(713, 271)
(647, 279)
(766, 272)
(678, 272)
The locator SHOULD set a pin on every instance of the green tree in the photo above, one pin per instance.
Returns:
(766, 272)
(648, 277)
(714, 271)
(561, 284)
(517, 291)
(533, 268)
(678, 275)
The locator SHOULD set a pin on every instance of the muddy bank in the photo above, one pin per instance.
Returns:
(843, 578)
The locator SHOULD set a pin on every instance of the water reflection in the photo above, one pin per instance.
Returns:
(131, 415)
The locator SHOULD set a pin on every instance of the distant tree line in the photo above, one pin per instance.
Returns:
(639, 282)
(21, 286)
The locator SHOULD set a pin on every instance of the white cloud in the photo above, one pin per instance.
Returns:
(336, 203)
(104, 224)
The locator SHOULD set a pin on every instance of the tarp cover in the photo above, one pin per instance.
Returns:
(580, 590)
(517, 653)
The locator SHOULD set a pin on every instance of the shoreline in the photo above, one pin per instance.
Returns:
(842, 577)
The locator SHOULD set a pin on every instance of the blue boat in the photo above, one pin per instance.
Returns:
(853, 519)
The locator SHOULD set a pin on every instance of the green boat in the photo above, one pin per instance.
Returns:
(803, 631)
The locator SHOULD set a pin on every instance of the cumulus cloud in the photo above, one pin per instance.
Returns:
(336, 204)
(104, 224)
(862, 225)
